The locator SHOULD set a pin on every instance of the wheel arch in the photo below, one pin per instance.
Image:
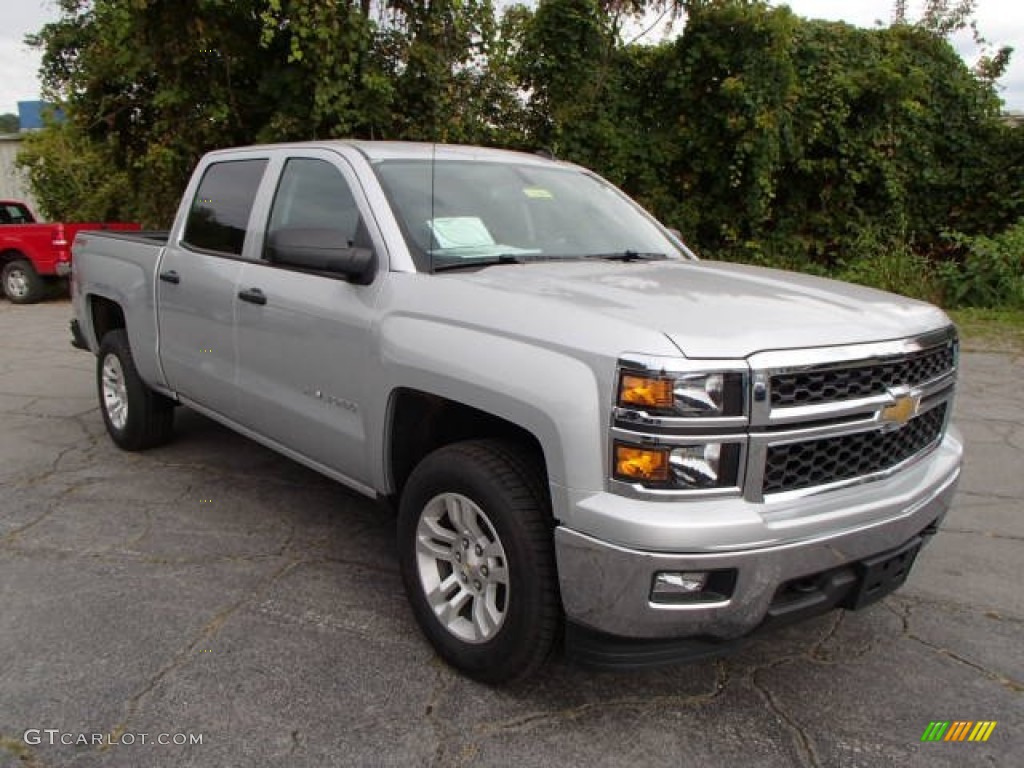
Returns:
(11, 253)
(105, 315)
(421, 422)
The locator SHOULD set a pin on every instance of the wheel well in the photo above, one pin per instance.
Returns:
(11, 254)
(422, 423)
(106, 316)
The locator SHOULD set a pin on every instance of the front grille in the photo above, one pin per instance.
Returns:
(794, 466)
(836, 384)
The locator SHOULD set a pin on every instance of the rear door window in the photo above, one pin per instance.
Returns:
(220, 210)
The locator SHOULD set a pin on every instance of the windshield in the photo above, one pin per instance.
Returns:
(497, 212)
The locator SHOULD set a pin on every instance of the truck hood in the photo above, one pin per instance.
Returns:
(716, 309)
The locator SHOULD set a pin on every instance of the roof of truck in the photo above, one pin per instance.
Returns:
(410, 150)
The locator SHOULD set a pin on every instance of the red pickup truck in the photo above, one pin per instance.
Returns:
(35, 257)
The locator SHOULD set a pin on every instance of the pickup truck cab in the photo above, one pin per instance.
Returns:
(589, 434)
(36, 256)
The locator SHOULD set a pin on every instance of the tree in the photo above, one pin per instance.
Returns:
(760, 134)
(9, 123)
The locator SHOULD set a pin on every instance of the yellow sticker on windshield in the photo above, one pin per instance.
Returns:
(538, 194)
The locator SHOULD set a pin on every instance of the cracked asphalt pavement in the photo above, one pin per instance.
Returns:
(213, 588)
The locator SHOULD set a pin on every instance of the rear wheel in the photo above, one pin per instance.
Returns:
(136, 417)
(22, 283)
(477, 558)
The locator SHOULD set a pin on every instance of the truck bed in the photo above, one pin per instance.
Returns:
(120, 267)
(149, 237)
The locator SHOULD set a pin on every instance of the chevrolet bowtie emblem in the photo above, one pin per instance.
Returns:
(903, 409)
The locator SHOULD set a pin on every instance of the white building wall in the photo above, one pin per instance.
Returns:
(13, 184)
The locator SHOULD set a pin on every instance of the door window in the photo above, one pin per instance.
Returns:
(221, 208)
(14, 213)
(314, 197)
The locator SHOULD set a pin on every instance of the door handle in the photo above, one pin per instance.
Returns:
(253, 296)
(170, 277)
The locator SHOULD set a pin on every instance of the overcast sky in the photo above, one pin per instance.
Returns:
(1000, 21)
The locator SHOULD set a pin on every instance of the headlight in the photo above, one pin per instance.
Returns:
(683, 394)
(699, 466)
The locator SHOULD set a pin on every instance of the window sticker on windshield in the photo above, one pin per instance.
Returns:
(538, 193)
(460, 232)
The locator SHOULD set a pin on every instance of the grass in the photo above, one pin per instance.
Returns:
(990, 330)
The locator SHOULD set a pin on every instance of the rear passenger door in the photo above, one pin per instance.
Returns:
(305, 358)
(196, 288)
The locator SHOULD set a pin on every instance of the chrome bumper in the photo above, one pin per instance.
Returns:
(606, 586)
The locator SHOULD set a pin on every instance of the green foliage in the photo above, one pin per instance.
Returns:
(9, 123)
(990, 271)
(891, 265)
(763, 136)
(75, 173)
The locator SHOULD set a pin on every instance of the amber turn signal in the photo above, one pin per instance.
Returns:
(646, 391)
(633, 464)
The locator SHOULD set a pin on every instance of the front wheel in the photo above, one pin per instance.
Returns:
(136, 417)
(477, 558)
(22, 283)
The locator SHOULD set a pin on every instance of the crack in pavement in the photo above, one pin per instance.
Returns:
(442, 687)
(525, 723)
(986, 534)
(8, 539)
(185, 656)
(951, 606)
(802, 741)
(25, 756)
(118, 557)
(1007, 682)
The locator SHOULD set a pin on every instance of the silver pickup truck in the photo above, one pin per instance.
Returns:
(592, 438)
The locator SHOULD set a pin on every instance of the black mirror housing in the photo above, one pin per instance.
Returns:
(322, 250)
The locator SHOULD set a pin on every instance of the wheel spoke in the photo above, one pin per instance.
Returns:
(428, 545)
(486, 615)
(448, 612)
(493, 549)
(438, 531)
(453, 506)
(476, 534)
(497, 574)
(438, 596)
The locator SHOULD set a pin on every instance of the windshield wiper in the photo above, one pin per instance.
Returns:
(628, 256)
(489, 261)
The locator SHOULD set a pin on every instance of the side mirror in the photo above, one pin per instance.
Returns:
(322, 250)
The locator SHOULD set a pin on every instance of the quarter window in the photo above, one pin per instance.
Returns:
(221, 208)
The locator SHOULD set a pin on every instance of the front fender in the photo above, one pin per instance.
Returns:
(554, 396)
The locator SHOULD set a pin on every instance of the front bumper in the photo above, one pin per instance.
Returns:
(606, 586)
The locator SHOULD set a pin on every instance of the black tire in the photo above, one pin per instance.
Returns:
(505, 482)
(22, 284)
(148, 418)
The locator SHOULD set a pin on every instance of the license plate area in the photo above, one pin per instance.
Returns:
(881, 574)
